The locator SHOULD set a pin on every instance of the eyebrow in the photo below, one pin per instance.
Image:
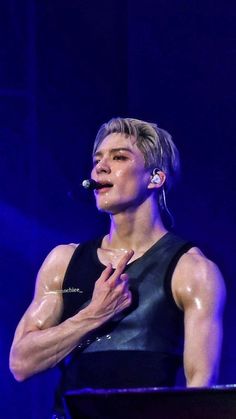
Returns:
(113, 150)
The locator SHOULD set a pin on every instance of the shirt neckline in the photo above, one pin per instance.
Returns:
(148, 251)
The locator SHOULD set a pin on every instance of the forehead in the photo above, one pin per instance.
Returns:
(118, 140)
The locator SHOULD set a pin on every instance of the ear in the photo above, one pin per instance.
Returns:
(157, 180)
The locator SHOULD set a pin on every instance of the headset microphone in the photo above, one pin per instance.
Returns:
(91, 184)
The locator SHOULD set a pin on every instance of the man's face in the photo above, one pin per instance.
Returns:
(118, 162)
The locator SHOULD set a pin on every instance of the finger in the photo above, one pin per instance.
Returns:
(106, 273)
(122, 263)
(127, 298)
(123, 291)
(128, 295)
(124, 277)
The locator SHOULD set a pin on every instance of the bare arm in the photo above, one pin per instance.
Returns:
(199, 290)
(40, 342)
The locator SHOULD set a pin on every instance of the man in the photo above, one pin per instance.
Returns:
(118, 309)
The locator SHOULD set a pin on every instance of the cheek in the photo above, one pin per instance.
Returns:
(127, 181)
(119, 173)
(129, 175)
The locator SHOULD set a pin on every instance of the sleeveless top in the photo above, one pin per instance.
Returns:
(143, 345)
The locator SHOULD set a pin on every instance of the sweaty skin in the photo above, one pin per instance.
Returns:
(198, 289)
(40, 342)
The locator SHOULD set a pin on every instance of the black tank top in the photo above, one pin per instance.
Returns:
(143, 346)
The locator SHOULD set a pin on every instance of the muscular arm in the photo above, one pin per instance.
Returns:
(40, 342)
(199, 290)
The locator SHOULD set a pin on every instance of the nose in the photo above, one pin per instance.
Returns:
(103, 166)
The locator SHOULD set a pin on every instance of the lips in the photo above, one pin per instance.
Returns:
(103, 185)
(103, 188)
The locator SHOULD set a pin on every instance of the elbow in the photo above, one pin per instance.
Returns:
(18, 376)
(18, 367)
(201, 379)
(17, 371)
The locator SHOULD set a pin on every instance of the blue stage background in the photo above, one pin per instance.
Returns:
(68, 66)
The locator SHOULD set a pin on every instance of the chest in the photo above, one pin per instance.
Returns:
(114, 256)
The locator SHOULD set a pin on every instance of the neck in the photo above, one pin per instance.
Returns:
(136, 229)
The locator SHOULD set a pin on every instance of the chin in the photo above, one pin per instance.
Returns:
(113, 209)
(107, 209)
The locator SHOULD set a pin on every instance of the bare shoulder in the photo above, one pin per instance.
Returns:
(53, 269)
(196, 276)
(46, 308)
(195, 264)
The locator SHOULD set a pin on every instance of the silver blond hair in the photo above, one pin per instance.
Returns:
(155, 143)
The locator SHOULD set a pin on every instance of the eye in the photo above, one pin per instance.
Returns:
(119, 157)
(95, 162)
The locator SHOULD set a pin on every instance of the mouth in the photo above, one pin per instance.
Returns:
(103, 187)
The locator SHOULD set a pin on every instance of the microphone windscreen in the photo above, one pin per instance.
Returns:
(90, 184)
